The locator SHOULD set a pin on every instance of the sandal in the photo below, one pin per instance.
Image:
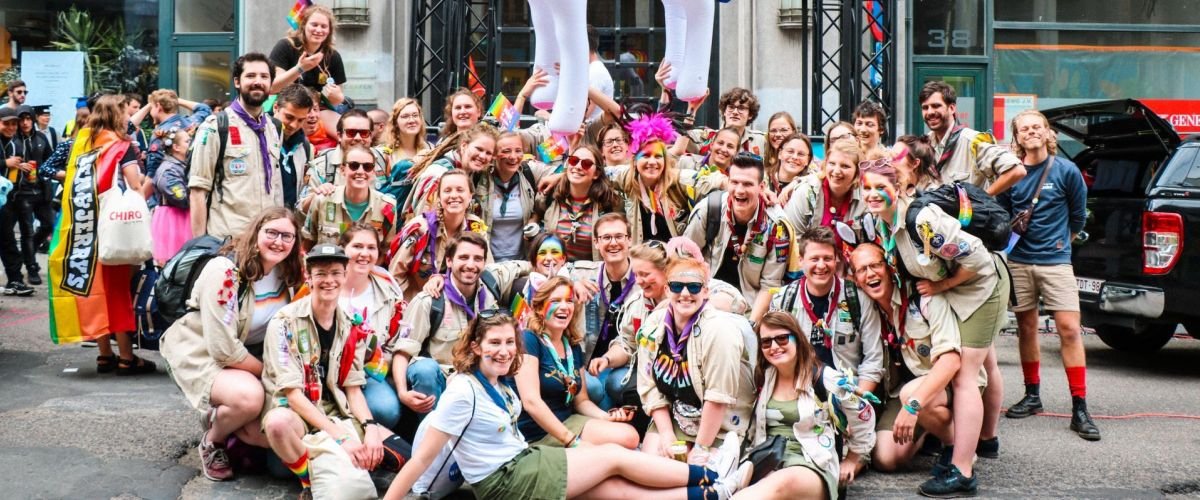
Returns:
(106, 364)
(135, 366)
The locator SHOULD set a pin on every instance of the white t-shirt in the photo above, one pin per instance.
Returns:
(269, 297)
(599, 78)
(491, 440)
(358, 302)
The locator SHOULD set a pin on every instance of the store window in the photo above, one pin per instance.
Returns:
(1170, 12)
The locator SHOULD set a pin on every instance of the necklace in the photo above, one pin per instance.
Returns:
(570, 381)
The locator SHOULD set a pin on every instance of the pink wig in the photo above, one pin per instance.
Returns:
(650, 128)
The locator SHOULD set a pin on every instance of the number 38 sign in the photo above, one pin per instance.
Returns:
(948, 27)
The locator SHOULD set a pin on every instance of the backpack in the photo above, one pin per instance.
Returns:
(218, 171)
(712, 219)
(790, 293)
(150, 325)
(989, 221)
(174, 284)
(437, 309)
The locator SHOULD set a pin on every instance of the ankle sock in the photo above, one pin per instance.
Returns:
(1032, 372)
(701, 476)
(1077, 381)
(300, 469)
(702, 493)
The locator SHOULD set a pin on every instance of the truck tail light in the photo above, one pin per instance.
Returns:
(1162, 242)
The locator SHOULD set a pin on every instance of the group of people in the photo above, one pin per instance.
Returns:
(664, 309)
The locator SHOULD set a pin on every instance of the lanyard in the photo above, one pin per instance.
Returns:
(570, 381)
(502, 401)
(822, 324)
(455, 297)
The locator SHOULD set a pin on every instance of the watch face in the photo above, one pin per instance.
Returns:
(916, 405)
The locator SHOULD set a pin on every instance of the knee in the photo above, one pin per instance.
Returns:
(280, 424)
(1070, 333)
(424, 371)
(803, 482)
(883, 461)
(626, 436)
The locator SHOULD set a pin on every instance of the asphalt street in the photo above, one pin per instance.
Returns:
(72, 433)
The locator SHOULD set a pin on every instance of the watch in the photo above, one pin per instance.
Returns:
(369, 421)
(913, 406)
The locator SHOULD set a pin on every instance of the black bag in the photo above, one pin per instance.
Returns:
(768, 456)
(989, 222)
(178, 276)
(150, 325)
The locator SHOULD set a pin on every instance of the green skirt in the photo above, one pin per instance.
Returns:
(575, 423)
(538, 473)
(794, 457)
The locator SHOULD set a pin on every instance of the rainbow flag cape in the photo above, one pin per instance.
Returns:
(504, 112)
(79, 307)
(293, 17)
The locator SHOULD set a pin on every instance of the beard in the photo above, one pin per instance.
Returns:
(253, 96)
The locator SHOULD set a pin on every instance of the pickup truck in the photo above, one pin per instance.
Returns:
(1138, 262)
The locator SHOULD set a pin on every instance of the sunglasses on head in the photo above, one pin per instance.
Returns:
(692, 288)
(361, 133)
(583, 163)
(779, 340)
(491, 313)
(359, 165)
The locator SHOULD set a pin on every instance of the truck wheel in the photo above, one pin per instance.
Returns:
(1141, 338)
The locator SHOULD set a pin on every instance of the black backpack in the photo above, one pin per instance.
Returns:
(218, 170)
(791, 292)
(178, 276)
(437, 308)
(712, 220)
(989, 222)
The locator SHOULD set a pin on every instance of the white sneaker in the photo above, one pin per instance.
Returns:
(725, 458)
(734, 482)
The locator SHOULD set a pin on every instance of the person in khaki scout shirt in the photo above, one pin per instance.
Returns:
(964, 154)
(739, 108)
(313, 372)
(250, 178)
(356, 201)
(694, 375)
(323, 174)
(923, 350)
(949, 261)
(753, 247)
(422, 347)
(213, 352)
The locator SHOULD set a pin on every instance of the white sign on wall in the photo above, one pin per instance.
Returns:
(54, 78)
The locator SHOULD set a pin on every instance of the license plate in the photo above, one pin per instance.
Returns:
(1089, 285)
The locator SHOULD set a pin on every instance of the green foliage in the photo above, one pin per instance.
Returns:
(111, 60)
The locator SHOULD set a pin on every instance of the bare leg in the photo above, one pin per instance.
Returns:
(285, 431)
(238, 397)
(786, 484)
(589, 466)
(601, 431)
(125, 345)
(1027, 336)
(104, 345)
(617, 487)
(968, 408)
(1070, 334)
(993, 396)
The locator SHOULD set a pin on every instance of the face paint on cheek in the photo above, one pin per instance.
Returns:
(656, 148)
(887, 193)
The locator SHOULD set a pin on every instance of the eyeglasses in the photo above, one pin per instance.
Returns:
(612, 238)
(692, 288)
(583, 163)
(321, 276)
(491, 313)
(737, 107)
(876, 163)
(614, 142)
(877, 266)
(410, 116)
(779, 340)
(272, 234)
(656, 244)
(361, 133)
(365, 166)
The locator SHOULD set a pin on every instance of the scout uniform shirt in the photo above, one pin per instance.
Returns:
(949, 246)
(753, 141)
(383, 317)
(971, 156)
(323, 169)
(291, 354)
(929, 330)
(858, 350)
(328, 216)
(601, 311)
(807, 206)
(419, 338)
(413, 260)
(766, 260)
(245, 191)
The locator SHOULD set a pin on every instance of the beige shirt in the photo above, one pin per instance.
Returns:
(328, 217)
(242, 194)
(211, 336)
(930, 330)
(410, 236)
(977, 159)
(387, 305)
(323, 169)
(860, 350)
(719, 364)
(419, 338)
(764, 264)
(807, 205)
(292, 344)
(481, 204)
(586, 270)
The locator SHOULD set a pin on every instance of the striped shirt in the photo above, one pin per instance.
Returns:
(575, 229)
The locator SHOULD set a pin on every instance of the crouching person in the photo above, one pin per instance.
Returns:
(313, 375)
(923, 351)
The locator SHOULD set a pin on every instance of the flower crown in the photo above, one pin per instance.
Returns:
(649, 128)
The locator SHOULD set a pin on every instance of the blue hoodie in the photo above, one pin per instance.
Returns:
(1061, 211)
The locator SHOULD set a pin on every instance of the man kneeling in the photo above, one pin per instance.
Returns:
(313, 375)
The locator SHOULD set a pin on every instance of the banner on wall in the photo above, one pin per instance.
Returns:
(1183, 114)
(56, 79)
(1004, 108)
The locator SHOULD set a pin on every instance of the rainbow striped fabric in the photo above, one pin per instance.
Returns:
(293, 17)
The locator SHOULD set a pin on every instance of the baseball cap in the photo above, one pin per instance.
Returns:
(326, 252)
(43, 109)
(8, 113)
(25, 109)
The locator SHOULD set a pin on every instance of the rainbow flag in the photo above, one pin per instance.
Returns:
(519, 307)
(293, 17)
(504, 112)
(79, 307)
(552, 149)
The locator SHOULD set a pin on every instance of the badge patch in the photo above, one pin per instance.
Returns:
(937, 241)
(923, 350)
(964, 249)
(949, 251)
(237, 166)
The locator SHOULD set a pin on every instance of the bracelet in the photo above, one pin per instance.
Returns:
(574, 442)
(912, 411)
(340, 440)
(369, 421)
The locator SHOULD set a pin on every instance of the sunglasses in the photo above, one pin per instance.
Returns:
(779, 340)
(491, 313)
(876, 163)
(20, 92)
(361, 133)
(359, 165)
(692, 288)
(583, 163)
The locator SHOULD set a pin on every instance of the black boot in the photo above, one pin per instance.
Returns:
(1031, 404)
(1081, 421)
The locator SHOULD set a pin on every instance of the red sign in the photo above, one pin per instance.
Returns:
(1183, 114)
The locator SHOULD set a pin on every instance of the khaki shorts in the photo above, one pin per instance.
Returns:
(980, 330)
(1054, 283)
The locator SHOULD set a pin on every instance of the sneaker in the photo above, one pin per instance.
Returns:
(952, 484)
(724, 459)
(988, 448)
(942, 464)
(207, 418)
(18, 288)
(733, 482)
(1029, 405)
(34, 278)
(214, 463)
(1081, 421)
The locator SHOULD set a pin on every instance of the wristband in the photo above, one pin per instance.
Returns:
(574, 442)
(369, 421)
(910, 410)
(340, 440)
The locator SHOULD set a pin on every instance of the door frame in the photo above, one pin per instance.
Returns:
(171, 44)
(960, 64)
(983, 91)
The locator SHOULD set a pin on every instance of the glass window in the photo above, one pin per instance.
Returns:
(210, 16)
(948, 27)
(1088, 11)
(204, 75)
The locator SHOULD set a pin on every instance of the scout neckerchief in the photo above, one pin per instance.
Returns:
(950, 143)
(822, 329)
(610, 308)
(506, 189)
(887, 240)
(570, 378)
(455, 297)
(585, 209)
(653, 200)
(259, 127)
(503, 402)
(670, 368)
(832, 213)
(433, 225)
(754, 227)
